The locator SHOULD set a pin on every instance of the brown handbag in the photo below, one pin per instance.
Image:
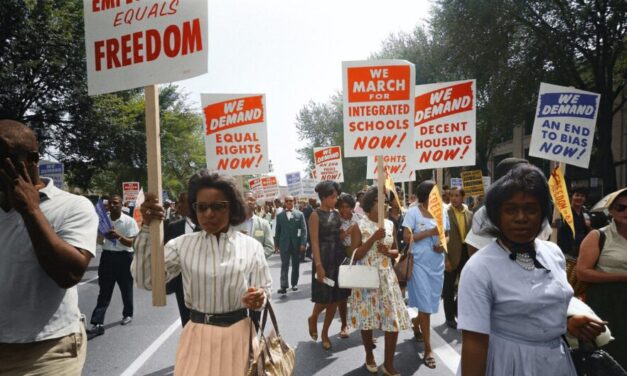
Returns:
(578, 286)
(404, 266)
(274, 357)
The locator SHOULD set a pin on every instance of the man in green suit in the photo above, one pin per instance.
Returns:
(290, 239)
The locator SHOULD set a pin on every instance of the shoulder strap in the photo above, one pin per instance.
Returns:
(602, 238)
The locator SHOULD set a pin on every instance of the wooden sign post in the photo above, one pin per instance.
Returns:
(380, 191)
(151, 93)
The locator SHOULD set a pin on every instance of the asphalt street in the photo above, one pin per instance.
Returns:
(148, 344)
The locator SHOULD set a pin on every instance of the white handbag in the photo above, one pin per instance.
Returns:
(358, 276)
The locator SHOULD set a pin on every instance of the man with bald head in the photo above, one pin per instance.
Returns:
(48, 237)
(290, 239)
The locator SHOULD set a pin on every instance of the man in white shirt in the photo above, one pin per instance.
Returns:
(115, 266)
(48, 237)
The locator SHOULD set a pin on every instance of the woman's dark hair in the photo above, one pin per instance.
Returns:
(423, 190)
(205, 179)
(326, 189)
(367, 202)
(524, 178)
(347, 199)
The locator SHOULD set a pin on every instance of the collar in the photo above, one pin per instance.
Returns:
(49, 190)
(223, 235)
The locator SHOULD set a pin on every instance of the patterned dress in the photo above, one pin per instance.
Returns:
(331, 256)
(381, 308)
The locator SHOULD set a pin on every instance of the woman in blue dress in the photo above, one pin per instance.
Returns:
(425, 286)
(513, 294)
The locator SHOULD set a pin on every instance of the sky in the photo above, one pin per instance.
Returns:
(292, 51)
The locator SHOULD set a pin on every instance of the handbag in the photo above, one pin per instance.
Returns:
(593, 361)
(404, 266)
(274, 356)
(358, 276)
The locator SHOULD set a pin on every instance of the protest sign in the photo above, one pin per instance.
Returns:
(559, 194)
(456, 182)
(132, 44)
(395, 165)
(328, 162)
(254, 185)
(53, 171)
(130, 190)
(563, 129)
(264, 188)
(378, 107)
(104, 223)
(436, 208)
(294, 186)
(309, 188)
(445, 125)
(472, 182)
(236, 136)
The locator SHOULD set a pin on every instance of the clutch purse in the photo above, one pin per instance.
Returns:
(358, 276)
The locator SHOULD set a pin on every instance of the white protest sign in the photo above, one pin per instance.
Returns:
(294, 186)
(130, 191)
(328, 162)
(486, 183)
(445, 125)
(395, 165)
(236, 136)
(378, 107)
(456, 182)
(53, 171)
(563, 129)
(132, 44)
(309, 188)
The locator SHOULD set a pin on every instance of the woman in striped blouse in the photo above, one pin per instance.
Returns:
(224, 273)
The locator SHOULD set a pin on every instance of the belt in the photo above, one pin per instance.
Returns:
(219, 319)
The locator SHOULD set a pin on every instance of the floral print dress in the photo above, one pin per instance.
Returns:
(381, 308)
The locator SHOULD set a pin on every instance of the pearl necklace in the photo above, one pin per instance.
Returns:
(522, 259)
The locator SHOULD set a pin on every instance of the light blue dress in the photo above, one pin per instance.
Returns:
(523, 312)
(425, 286)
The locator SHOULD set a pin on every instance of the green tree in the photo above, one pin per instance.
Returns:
(321, 125)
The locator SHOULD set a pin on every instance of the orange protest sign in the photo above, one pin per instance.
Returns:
(329, 163)
(378, 107)
(436, 208)
(559, 194)
(236, 136)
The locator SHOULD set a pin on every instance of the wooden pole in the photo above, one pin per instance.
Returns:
(439, 178)
(380, 191)
(153, 143)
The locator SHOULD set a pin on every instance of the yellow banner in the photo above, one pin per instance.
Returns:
(389, 185)
(557, 186)
(436, 208)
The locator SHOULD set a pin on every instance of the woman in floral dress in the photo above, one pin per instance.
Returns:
(381, 308)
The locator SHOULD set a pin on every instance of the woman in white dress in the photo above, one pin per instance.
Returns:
(513, 294)
(224, 274)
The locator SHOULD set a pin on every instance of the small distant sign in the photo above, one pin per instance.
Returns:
(472, 182)
(53, 171)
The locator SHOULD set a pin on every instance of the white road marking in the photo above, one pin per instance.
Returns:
(86, 282)
(441, 348)
(141, 359)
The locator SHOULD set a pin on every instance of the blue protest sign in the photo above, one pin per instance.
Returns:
(563, 129)
(104, 223)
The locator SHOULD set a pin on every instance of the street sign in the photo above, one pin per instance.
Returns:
(53, 171)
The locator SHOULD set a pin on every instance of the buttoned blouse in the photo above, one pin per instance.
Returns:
(216, 270)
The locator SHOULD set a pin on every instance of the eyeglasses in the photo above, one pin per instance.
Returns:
(217, 206)
(619, 207)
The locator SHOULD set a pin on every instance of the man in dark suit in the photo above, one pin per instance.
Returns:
(174, 229)
(460, 219)
(290, 239)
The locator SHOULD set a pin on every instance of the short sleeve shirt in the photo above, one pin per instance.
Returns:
(32, 306)
(125, 226)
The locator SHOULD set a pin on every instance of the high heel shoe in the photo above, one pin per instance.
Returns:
(372, 368)
(386, 373)
(313, 334)
(326, 345)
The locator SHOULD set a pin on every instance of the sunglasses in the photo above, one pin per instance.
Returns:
(217, 206)
(619, 207)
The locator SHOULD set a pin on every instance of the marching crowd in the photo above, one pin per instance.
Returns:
(503, 285)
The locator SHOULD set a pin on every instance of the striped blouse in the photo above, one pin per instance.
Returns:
(215, 274)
